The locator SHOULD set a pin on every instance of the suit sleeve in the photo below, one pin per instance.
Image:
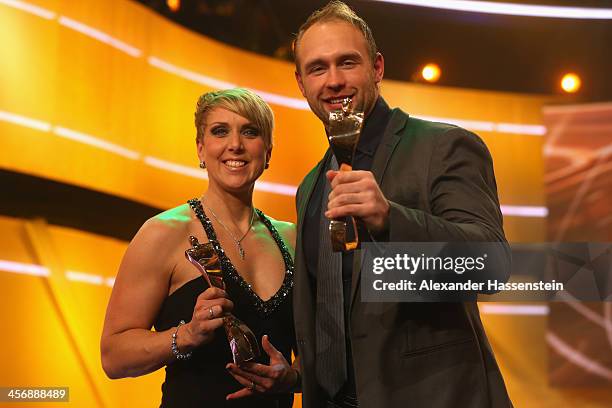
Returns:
(297, 198)
(462, 195)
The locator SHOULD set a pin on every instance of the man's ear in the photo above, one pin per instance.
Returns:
(269, 154)
(379, 67)
(298, 79)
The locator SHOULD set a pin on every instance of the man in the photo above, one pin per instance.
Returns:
(412, 181)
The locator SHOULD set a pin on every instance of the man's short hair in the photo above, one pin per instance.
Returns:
(336, 11)
(242, 102)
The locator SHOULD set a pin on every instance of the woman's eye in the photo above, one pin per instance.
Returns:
(251, 132)
(219, 131)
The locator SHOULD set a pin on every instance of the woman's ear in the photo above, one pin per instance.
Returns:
(200, 149)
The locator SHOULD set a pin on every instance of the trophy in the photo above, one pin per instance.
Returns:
(343, 134)
(242, 341)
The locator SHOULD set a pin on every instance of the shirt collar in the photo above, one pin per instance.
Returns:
(374, 127)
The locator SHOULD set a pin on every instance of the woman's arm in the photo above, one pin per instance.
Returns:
(128, 346)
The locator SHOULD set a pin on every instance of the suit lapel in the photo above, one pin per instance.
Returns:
(388, 143)
(390, 139)
(303, 298)
(308, 186)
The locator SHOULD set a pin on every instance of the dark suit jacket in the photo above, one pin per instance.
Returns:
(440, 183)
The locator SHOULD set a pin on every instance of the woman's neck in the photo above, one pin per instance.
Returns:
(231, 209)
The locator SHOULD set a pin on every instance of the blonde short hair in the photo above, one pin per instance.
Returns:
(242, 102)
(336, 11)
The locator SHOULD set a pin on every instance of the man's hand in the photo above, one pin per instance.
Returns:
(357, 193)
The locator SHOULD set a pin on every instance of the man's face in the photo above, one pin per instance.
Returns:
(334, 64)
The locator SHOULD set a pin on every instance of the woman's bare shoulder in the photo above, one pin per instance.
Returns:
(177, 217)
(287, 230)
(168, 225)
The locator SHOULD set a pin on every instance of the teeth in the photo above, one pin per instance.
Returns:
(235, 163)
(339, 100)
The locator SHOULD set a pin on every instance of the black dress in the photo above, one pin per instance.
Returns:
(203, 381)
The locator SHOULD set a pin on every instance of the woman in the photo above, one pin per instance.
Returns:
(156, 285)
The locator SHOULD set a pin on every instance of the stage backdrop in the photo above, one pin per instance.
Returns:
(578, 159)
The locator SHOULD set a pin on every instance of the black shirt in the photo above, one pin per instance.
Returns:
(373, 129)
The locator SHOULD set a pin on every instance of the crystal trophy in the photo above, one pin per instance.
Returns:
(343, 134)
(242, 341)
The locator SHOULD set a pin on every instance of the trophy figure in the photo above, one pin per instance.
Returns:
(343, 134)
(243, 342)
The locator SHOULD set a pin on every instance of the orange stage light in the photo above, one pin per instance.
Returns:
(173, 5)
(570, 82)
(431, 72)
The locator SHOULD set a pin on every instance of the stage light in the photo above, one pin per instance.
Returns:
(173, 5)
(511, 9)
(431, 72)
(570, 83)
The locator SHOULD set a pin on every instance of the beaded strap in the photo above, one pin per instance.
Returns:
(264, 307)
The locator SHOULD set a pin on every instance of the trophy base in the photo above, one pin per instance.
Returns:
(340, 240)
(242, 341)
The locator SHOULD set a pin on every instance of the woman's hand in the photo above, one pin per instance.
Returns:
(278, 377)
(211, 306)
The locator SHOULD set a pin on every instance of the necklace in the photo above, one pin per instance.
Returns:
(238, 242)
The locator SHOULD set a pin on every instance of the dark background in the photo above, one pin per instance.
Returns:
(474, 50)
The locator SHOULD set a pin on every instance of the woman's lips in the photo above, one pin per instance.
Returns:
(234, 164)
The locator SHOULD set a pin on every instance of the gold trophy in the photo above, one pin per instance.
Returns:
(243, 342)
(343, 134)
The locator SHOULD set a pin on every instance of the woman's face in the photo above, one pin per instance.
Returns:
(233, 149)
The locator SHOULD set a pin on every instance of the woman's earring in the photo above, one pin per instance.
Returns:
(267, 165)
(202, 164)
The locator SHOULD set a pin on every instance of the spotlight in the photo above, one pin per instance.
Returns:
(431, 72)
(570, 82)
(173, 5)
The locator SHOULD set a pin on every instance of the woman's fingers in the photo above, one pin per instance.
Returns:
(213, 296)
(243, 373)
(208, 313)
(212, 293)
(250, 386)
(265, 378)
(261, 380)
(244, 392)
(208, 309)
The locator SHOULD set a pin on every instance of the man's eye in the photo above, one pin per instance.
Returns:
(316, 69)
(348, 63)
